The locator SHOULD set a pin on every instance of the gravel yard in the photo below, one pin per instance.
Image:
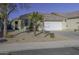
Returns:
(29, 37)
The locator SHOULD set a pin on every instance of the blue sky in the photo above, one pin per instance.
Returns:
(47, 8)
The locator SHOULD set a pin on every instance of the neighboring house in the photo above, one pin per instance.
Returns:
(21, 23)
(72, 21)
(16, 24)
(26, 21)
(54, 22)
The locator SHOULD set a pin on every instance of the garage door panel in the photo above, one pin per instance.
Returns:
(52, 26)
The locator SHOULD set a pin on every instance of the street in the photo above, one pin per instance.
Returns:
(52, 51)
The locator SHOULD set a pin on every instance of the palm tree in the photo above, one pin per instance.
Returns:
(6, 9)
(35, 17)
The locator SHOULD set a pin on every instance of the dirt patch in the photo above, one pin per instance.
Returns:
(29, 37)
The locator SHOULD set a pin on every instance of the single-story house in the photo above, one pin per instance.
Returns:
(21, 23)
(51, 22)
(54, 22)
(16, 24)
(59, 22)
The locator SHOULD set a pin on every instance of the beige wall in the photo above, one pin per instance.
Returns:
(72, 24)
(19, 24)
(64, 25)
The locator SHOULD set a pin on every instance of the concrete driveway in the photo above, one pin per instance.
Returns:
(68, 34)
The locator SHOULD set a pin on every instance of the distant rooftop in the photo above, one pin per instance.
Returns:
(71, 15)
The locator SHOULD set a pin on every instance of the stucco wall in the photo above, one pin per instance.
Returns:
(19, 24)
(72, 24)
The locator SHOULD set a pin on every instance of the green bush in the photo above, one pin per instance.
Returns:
(52, 35)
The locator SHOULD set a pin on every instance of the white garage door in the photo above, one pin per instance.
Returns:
(52, 26)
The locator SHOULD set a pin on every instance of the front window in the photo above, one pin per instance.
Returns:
(26, 22)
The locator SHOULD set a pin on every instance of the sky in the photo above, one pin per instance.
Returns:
(46, 8)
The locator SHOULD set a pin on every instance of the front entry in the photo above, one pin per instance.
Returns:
(16, 25)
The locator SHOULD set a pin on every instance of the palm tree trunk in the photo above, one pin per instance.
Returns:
(5, 28)
(34, 28)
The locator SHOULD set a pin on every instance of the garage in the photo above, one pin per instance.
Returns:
(54, 22)
(52, 26)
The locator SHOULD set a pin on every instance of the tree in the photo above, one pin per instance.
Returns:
(35, 17)
(6, 9)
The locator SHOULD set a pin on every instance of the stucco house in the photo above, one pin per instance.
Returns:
(62, 22)
(16, 24)
(21, 23)
(51, 22)
(54, 22)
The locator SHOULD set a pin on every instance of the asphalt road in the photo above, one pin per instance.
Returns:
(52, 51)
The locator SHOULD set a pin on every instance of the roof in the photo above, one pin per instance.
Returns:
(72, 15)
(50, 17)
(24, 16)
(53, 17)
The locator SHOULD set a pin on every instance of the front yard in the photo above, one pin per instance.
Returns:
(29, 37)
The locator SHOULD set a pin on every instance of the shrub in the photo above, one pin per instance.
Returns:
(52, 35)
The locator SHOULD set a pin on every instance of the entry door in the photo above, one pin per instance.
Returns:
(16, 25)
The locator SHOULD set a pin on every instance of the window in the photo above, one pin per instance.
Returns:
(26, 22)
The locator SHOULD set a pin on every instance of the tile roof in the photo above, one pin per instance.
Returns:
(54, 17)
